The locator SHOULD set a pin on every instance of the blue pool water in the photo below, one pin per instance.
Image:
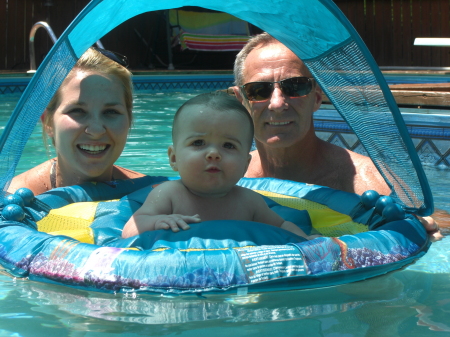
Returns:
(411, 302)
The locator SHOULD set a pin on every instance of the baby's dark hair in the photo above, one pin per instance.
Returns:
(219, 100)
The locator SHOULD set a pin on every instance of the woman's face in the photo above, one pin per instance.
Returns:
(90, 126)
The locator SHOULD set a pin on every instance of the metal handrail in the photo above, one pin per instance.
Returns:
(52, 35)
(35, 27)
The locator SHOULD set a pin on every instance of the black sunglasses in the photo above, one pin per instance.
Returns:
(112, 55)
(292, 87)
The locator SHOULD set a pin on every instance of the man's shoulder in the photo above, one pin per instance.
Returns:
(346, 159)
(360, 170)
(367, 175)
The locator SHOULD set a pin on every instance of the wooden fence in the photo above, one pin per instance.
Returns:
(388, 27)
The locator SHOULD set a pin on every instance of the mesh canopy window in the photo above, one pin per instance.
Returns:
(362, 104)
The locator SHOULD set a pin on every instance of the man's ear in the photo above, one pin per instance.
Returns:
(172, 158)
(48, 128)
(240, 97)
(237, 93)
(318, 94)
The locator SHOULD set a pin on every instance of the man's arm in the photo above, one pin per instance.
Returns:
(432, 227)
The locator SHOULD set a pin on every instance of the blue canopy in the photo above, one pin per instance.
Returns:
(315, 30)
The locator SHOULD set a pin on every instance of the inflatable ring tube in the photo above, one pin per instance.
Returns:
(213, 256)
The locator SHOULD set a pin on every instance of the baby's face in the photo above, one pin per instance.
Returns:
(211, 150)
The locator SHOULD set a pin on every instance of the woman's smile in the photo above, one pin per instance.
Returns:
(93, 149)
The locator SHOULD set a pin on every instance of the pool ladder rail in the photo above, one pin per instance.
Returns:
(52, 35)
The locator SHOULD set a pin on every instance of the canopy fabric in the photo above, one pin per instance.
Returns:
(316, 30)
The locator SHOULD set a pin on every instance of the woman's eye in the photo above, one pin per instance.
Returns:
(198, 142)
(76, 111)
(229, 146)
(111, 112)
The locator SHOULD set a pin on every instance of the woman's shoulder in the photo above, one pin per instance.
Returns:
(124, 173)
(36, 179)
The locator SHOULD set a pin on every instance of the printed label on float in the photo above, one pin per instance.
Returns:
(266, 263)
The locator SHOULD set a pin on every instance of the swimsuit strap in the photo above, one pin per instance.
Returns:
(53, 175)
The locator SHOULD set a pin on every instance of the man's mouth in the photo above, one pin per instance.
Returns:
(92, 149)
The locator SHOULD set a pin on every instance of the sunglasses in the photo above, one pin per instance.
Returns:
(112, 55)
(292, 87)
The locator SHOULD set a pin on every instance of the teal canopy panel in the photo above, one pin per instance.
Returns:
(316, 30)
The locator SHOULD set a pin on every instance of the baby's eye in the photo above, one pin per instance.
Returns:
(229, 146)
(198, 142)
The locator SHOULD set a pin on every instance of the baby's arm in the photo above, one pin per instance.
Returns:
(266, 215)
(156, 213)
(291, 227)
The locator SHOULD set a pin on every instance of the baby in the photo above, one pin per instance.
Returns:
(212, 135)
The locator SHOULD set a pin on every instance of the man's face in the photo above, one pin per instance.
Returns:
(280, 121)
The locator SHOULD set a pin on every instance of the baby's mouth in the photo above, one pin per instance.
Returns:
(278, 123)
(92, 149)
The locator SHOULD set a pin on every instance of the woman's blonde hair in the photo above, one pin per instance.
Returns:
(93, 60)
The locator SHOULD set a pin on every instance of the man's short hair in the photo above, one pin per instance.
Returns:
(257, 40)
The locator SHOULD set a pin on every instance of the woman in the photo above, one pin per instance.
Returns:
(88, 120)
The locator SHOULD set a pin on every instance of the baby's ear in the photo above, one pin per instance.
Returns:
(248, 163)
(172, 158)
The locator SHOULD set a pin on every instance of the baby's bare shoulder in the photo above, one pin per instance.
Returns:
(167, 188)
(249, 196)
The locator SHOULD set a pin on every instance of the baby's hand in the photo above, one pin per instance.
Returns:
(176, 221)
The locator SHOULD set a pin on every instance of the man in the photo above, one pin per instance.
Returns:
(287, 146)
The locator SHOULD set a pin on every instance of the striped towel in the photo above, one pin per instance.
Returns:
(212, 42)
